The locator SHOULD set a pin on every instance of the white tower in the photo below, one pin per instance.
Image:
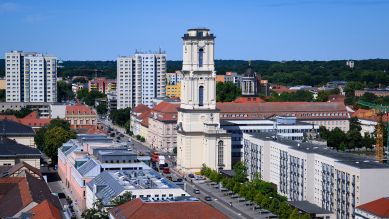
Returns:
(199, 137)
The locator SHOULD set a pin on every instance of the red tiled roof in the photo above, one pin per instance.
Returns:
(144, 117)
(302, 110)
(166, 107)
(140, 108)
(379, 207)
(165, 210)
(79, 109)
(45, 210)
(165, 111)
(281, 107)
(248, 100)
(33, 119)
(368, 114)
(18, 192)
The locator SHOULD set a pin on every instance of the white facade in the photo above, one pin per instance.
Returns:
(291, 129)
(31, 77)
(332, 180)
(140, 78)
(199, 137)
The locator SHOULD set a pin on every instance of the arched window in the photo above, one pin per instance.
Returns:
(201, 54)
(201, 96)
(220, 151)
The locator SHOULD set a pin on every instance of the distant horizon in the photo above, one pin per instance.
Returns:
(279, 30)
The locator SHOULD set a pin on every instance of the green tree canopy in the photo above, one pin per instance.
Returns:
(54, 138)
(227, 92)
(121, 199)
(64, 91)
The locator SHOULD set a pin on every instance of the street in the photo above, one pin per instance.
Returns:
(220, 201)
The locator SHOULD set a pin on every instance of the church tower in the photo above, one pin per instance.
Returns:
(199, 137)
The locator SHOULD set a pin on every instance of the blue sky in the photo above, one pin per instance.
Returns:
(256, 29)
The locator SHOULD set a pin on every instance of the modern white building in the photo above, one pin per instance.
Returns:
(31, 77)
(199, 137)
(140, 78)
(141, 183)
(287, 127)
(332, 180)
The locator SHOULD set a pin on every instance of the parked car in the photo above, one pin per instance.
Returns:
(196, 191)
(166, 170)
(190, 175)
(208, 198)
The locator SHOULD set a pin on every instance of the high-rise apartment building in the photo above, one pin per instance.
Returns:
(140, 79)
(332, 180)
(31, 77)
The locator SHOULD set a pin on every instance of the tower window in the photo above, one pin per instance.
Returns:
(220, 153)
(201, 96)
(201, 54)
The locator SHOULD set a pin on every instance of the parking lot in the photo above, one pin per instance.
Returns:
(248, 208)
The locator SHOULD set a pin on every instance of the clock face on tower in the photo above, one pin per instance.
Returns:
(201, 44)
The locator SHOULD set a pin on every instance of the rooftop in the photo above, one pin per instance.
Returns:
(230, 107)
(140, 108)
(309, 208)
(79, 109)
(341, 157)
(379, 207)
(111, 183)
(16, 193)
(9, 148)
(12, 128)
(139, 208)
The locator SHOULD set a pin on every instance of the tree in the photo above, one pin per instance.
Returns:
(335, 138)
(324, 133)
(236, 188)
(82, 93)
(102, 108)
(265, 202)
(39, 137)
(92, 96)
(227, 92)
(354, 139)
(294, 214)
(121, 116)
(121, 199)
(258, 198)
(97, 212)
(240, 172)
(355, 124)
(54, 138)
(368, 141)
(64, 91)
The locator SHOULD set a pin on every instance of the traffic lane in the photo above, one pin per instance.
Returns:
(214, 203)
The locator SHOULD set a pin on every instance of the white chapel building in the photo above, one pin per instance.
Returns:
(200, 140)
